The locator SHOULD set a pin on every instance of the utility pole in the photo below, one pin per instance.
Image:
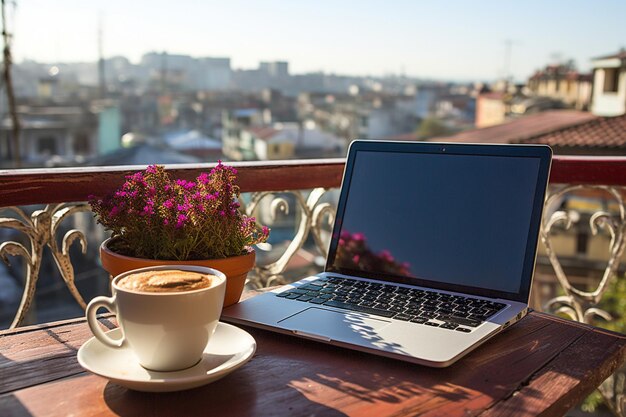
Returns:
(8, 83)
(508, 45)
(508, 52)
(101, 74)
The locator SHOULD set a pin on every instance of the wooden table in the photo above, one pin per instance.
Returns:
(541, 366)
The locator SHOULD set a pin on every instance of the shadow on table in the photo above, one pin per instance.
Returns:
(233, 396)
(291, 376)
(11, 406)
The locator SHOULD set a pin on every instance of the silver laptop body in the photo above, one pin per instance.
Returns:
(432, 252)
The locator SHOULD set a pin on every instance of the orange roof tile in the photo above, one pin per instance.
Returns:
(262, 132)
(602, 132)
(517, 130)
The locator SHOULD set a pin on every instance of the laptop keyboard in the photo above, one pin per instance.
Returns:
(427, 307)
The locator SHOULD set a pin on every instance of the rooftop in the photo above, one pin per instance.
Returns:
(621, 54)
(601, 132)
(517, 130)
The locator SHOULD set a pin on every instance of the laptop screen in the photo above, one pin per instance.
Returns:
(447, 219)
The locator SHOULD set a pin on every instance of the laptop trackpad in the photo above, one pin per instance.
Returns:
(318, 323)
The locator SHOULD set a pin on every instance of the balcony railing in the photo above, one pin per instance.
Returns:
(305, 183)
(62, 190)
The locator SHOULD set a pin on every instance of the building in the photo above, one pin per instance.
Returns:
(562, 82)
(52, 135)
(597, 136)
(490, 109)
(185, 73)
(194, 143)
(609, 84)
(517, 130)
(236, 145)
(254, 141)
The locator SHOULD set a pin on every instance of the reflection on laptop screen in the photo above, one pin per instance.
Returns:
(454, 219)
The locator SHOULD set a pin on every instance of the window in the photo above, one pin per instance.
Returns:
(81, 144)
(47, 145)
(611, 80)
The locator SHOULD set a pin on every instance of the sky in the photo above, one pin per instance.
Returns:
(442, 39)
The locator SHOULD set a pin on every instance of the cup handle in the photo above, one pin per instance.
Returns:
(94, 305)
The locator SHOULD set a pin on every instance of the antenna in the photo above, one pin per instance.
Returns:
(101, 75)
(16, 126)
(508, 52)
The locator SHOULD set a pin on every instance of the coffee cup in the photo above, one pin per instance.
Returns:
(166, 325)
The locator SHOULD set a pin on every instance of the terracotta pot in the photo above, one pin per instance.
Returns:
(235, 268)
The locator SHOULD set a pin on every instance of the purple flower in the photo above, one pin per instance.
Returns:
(205, 207)
(168, 204)
(203, 178)
(148, 209)
(180, 221)
(359, 237)
(187, 185)
(184, 207)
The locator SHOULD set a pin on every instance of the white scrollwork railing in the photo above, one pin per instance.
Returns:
(313, 214)
(579, 304)
(41, 229)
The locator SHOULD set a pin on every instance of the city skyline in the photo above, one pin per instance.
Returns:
(451, 40)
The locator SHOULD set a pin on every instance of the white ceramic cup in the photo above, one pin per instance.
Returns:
(167, 331)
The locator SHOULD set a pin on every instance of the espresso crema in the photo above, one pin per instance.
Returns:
(170, 280)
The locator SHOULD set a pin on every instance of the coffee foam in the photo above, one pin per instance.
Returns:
(169, 280)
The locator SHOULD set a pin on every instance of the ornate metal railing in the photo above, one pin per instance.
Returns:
(306, 182)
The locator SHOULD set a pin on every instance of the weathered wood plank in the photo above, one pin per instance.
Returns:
(562, 384)
(38, 356)
(289, 376)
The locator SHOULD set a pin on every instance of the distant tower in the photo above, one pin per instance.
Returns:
(101, 76)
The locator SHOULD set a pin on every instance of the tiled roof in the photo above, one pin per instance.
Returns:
(517, 130)
(602, 132)
(620, 54)
(263, 132)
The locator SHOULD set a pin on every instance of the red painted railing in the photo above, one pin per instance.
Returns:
(59, 185)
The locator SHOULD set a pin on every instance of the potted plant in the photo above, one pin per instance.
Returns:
(155, 220)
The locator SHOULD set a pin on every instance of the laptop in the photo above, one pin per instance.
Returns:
(432, 252)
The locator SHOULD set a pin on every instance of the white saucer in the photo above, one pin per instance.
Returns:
(229, 348)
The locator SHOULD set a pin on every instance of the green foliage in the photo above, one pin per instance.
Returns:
(152, 216)
(432, 127)
(614, 302)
